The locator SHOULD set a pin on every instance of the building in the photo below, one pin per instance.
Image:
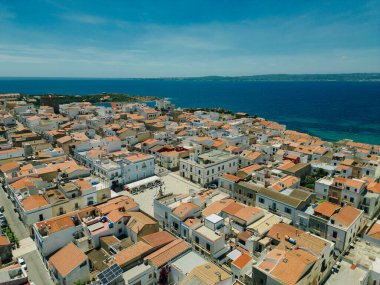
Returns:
(207, 167)
(69, 265)
(296, 257)
(344, 226)
(207, 274)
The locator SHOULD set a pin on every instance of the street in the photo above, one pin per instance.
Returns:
(36, 269)
(14, 222)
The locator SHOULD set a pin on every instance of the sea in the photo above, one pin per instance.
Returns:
(331, 110)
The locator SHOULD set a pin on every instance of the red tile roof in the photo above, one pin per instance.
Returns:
(168, 252)
(242, 261)
(67, 259)
(158, 239)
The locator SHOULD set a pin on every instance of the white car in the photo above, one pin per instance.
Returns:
(22, 262)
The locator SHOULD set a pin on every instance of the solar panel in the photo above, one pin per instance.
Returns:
(110, 274)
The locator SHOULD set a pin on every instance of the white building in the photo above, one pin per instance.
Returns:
(343, 226)
(207, 167)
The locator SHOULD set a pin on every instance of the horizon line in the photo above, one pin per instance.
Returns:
(190, 77)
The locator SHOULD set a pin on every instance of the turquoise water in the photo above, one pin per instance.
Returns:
(330, 110)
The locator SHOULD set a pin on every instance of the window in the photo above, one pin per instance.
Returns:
(261, 200)
(288, 210)
(41, 217)
(351, 199)
(335, 234)
(208, 246)
(196, 239)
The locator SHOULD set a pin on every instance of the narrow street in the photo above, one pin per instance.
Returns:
(36, 269)
(14, 222)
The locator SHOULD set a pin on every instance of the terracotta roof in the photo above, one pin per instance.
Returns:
(245, 235)
(168, 252)
(354, 183)
(56, 224)
(139, 220)
(326, 209)
(132, 253)
(83, 184)
(346, 216)
(247, 213)
(242, 261)
(374, 231)
(306, 240)
(4, 241)
(111, 139)
(251, 168)
(293, 266)
(25, 182)
(184, 208)
(67, 259)
(158, 239)
(9, 166)
(206, 274)
(192, 222)
(109, 240)
(231, 177)
(374, 187)
(232, 208)
(116, 215)
(64, 139)
(33, 201)
(217, 207)
(121, 202)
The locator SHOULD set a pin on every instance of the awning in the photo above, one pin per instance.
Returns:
(142, 182)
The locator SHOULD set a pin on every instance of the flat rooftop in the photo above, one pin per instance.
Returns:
(188, 262)
(206, 232)
(135, 271)
(363, 254)
(215, 156)
(346, 275)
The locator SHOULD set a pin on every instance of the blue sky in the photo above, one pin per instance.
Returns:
(74, 38)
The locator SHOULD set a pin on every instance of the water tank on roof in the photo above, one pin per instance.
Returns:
(110, 225)
(94, 183)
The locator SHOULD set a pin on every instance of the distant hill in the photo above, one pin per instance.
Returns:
(287, 77)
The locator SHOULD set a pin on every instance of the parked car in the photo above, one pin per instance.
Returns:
(22, 262)
(3, 223)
